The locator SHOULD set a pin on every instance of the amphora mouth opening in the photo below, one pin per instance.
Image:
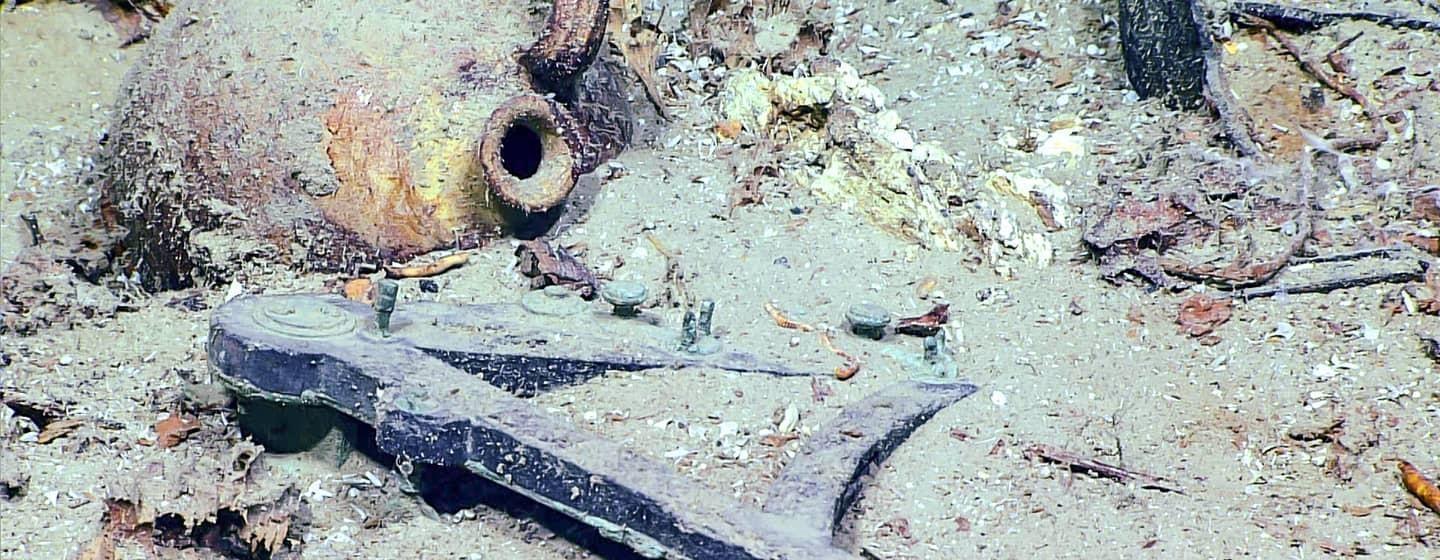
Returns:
(527, 161)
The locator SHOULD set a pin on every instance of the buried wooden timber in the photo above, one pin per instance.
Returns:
(442, 389)
(1300, 20)
(1327, 273)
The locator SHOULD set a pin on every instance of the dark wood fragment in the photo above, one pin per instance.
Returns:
(927, 324)
(1396, 265)
(1301, 20)
(1234, 120)
(1331, 285)
(1431, 345)
(547, 265)
(1103, 470)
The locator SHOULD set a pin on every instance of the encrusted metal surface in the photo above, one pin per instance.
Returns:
(303, 318)
(815, 487)
(444, 389)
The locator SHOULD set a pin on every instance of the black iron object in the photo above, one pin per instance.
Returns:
(1164, 50)
(438, 391)
(824, 481)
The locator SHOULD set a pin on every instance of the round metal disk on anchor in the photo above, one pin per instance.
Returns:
(303, 318)
(553, 300)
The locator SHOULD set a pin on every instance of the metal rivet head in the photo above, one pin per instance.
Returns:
(624, 297)
(303, 318)
(934, 347)
(868, 320)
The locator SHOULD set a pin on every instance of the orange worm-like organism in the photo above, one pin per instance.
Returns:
(426, 270)
(1420, 486)
(783, 321)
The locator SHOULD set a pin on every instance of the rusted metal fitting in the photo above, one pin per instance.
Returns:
(624, 297)
(868, 320)
(387, 291)
(689, 331)
(707, 314)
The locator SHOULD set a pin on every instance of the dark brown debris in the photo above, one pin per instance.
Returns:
(547, 265)
(1431, 344)
(927, 324)
(255, 532)
(174, 429)
(1201, 314)
(1103, 470)
(1301, 20)
(819, 389)
(1129, 238)
(749, 189)
(1426, 205)
(14, 476)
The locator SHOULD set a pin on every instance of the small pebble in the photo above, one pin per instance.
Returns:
(429, 286)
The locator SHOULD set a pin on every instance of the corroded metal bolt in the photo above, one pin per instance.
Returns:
(625, 297)
(934, 347)
(942, 366)
(868, 320)
(689, 331)
(388, 291)
(707, 313)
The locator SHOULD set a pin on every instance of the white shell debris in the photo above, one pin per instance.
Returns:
(788, 419)
(863, 159)
(1011, 215)
(1063, 142)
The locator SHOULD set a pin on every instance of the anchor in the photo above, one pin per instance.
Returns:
(446, 386)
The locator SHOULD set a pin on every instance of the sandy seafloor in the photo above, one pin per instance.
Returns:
(1061, 356)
